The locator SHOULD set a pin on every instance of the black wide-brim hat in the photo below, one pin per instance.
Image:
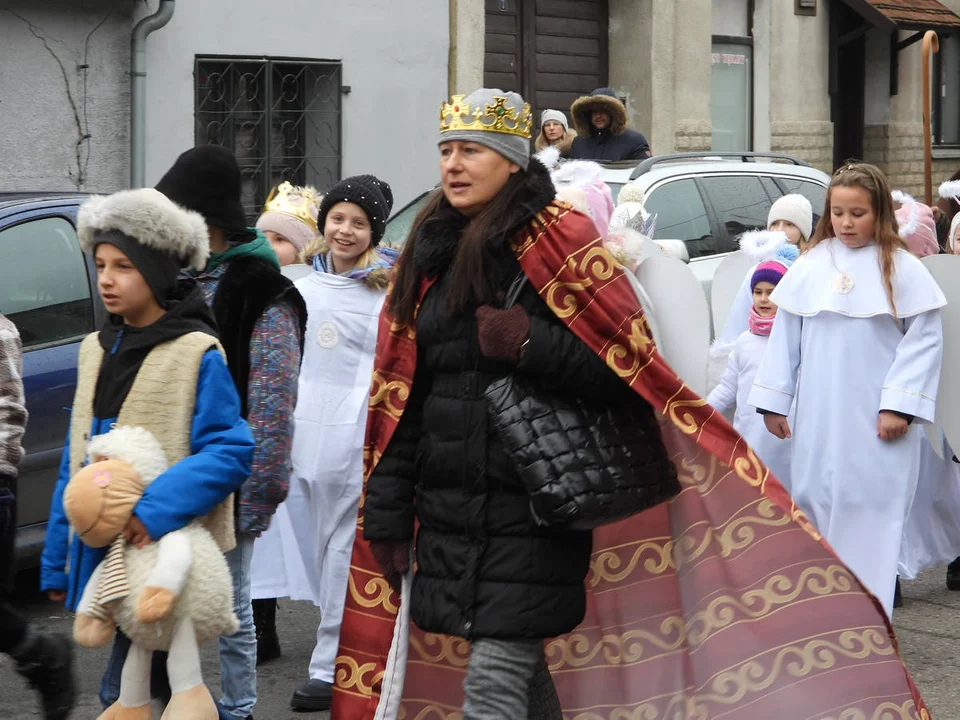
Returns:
(207, 179)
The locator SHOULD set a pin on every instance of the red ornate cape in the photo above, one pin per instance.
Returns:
(724, 603)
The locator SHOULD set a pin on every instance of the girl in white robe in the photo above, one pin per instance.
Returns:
(305, 554)
(857, 345)
(737, 382)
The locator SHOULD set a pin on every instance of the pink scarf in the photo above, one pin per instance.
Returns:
(760, 325)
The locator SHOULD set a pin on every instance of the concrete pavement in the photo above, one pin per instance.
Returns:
(928, 627)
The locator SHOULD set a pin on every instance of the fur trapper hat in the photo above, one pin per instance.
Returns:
(602, 100)
(151, 219)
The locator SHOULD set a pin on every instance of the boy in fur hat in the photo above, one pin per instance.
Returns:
(262, 319)
(155, 364)
(601, 122)
(45, 661)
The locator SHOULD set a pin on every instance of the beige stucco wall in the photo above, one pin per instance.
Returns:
(467, 27)
(660, 57)
(799, 85)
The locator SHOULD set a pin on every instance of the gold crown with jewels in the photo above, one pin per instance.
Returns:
(498, 117)
(303, 203)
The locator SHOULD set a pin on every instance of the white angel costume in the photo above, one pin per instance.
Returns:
(305, 553)
(734, 390)
(841, 354)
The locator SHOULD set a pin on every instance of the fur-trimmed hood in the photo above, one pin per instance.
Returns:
(150, 218)
(598, 100)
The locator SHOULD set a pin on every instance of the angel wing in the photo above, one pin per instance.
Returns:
(945, 269)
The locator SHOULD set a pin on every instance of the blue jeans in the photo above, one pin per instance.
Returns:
(110, 683)
(238, 652)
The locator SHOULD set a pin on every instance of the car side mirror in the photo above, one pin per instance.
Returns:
(675, 249)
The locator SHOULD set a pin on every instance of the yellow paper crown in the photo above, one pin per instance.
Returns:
(303, 203)
(498, 117)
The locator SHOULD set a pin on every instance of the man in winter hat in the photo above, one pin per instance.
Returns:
(262, 320)
(601, 122)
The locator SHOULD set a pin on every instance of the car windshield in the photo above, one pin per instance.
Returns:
(398, 227)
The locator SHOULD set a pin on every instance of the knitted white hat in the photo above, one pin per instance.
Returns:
(555, 115)
(793, 208)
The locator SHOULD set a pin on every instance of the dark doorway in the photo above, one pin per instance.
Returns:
(550, 51)
(848, 32)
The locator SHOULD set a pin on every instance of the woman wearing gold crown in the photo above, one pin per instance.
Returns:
(517, 402)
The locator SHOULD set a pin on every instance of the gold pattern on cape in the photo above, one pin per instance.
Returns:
(575, 650)
(886, 711)
(384, 393)
(351, 675)
(453, 650)
(376, 592)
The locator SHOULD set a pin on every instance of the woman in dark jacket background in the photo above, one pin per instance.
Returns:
(485, 571)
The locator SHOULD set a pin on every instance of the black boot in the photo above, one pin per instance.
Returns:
(265, 619)
(953, 575)
(46, 661)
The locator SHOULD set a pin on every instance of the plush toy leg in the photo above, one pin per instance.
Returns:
(191, 700)
(134, 702)
(89, 631)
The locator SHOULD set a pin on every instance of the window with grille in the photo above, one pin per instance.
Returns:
(280, 116)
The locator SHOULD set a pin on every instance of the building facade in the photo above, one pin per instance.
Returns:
(310, 91)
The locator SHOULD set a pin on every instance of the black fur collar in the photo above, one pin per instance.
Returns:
(436, 241)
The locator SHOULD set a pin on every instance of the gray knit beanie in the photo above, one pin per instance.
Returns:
(491, 117)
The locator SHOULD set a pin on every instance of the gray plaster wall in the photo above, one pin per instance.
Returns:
(394, 55)
(45, 110)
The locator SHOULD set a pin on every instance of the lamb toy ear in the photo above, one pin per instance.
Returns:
(761, 245)
(909, 226)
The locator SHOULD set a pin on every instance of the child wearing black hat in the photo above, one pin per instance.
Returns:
(155, 364)
(261, 319)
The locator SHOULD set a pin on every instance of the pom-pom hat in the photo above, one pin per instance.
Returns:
(373, 195)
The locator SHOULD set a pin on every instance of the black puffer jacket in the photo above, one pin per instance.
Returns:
(484, 568)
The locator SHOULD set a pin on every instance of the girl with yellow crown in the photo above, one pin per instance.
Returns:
(289, 220)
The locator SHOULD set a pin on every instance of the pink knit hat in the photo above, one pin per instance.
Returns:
(771, 271)
(917, 227)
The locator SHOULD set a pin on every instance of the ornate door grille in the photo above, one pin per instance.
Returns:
(280, 117)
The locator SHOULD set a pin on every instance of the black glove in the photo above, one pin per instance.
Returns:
(393, 557)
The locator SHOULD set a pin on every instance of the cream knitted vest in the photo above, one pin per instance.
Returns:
(161, 400)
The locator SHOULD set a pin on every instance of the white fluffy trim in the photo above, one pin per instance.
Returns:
(134, 445)
(150, 218)
(548, 157)
(761, 245)
(576, 173)
(950, 190)
(909, 226)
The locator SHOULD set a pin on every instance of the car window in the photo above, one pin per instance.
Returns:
(815, 193)
(44, 288)
(398, 227)
(740, 203)
(681, 215)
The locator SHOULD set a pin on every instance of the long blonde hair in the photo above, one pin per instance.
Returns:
(871, 179)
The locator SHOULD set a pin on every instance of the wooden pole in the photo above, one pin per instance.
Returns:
(930, 43)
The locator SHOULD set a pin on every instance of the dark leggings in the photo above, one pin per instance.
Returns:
(12, 628)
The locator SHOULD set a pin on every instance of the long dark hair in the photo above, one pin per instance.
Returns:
(468, 281)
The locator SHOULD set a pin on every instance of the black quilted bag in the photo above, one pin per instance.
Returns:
(583, 463)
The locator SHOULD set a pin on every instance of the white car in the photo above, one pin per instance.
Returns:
(703, 201)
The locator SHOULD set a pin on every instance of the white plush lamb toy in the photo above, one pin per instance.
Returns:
(173, 594)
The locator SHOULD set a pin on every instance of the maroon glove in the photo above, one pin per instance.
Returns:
(393, 557)
(502, 332)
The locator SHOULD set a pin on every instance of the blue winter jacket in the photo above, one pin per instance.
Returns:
(222, 450)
